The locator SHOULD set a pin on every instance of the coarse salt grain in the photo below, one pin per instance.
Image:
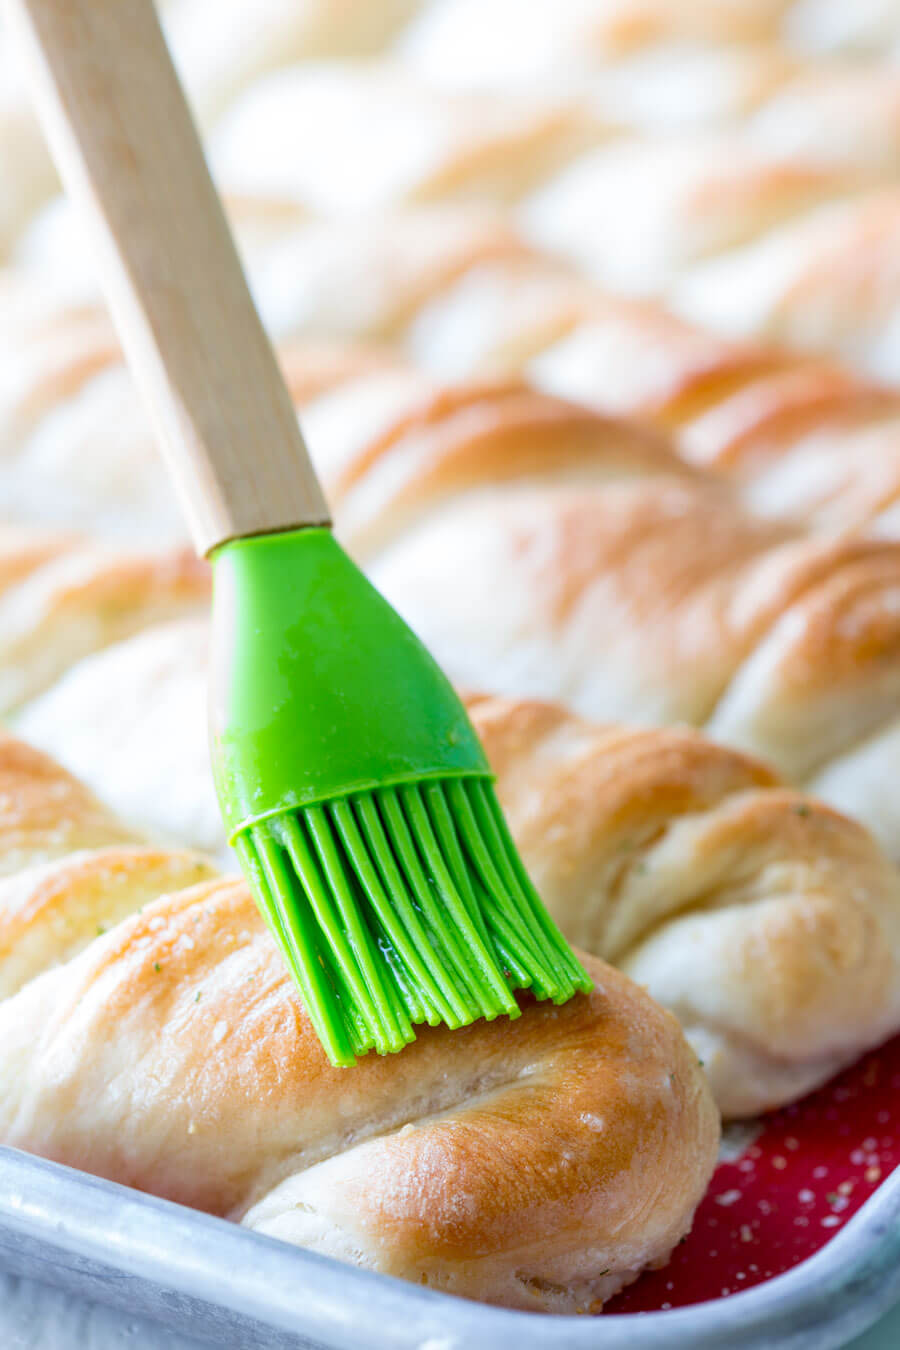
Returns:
(728, 1197)
(596, 1123)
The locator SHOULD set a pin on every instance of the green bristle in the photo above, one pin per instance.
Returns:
(404, 906)
(447, 998)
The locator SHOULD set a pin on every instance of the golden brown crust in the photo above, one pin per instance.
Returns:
(250, 1100)
(769, 923)
(596, 811)
(846, 112)
(636, 359)
(75, 444)
(46, 813)
(825, 281)
(660, 600)
(802, 438)
(784, 644)
(311, 369)
(23, 550)
(481, 1170)
(453, 439)
(63, 597)
(55, 348)
(760, 420)
(659, 597)
(150, 1033)
(592, 35)
(696, 196)
(49, 913)
(474, 146)
(354, 279)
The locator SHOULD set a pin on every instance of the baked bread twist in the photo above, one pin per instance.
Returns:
(633, 587)
(773, 212)
(565, 35)
(662, 61)
(219, 48)
(62, 597)
(767, 922)
(801, 438)
(541, 1163)
(784, 226)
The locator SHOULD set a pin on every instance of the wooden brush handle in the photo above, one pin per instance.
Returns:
(126, 147)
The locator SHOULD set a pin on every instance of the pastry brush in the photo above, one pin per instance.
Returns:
(353, 786)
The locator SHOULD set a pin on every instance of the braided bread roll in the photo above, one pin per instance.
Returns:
(503, 39)
(487, 146)
(792, 173)
(406, 463)
(222, 49)
(769, 924)
(541, 1163)
(761, 918)
(219, 48)
(62, 597)
(577, 34)
(625, 62)
(649, 601)
(801, 439)
(783, 226)
(633, 588)
(826, 282)
(465, 295)
(629, 590)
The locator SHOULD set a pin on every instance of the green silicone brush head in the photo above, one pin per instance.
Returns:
(361, 806)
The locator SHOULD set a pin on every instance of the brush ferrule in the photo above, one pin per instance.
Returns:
(319, 690)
